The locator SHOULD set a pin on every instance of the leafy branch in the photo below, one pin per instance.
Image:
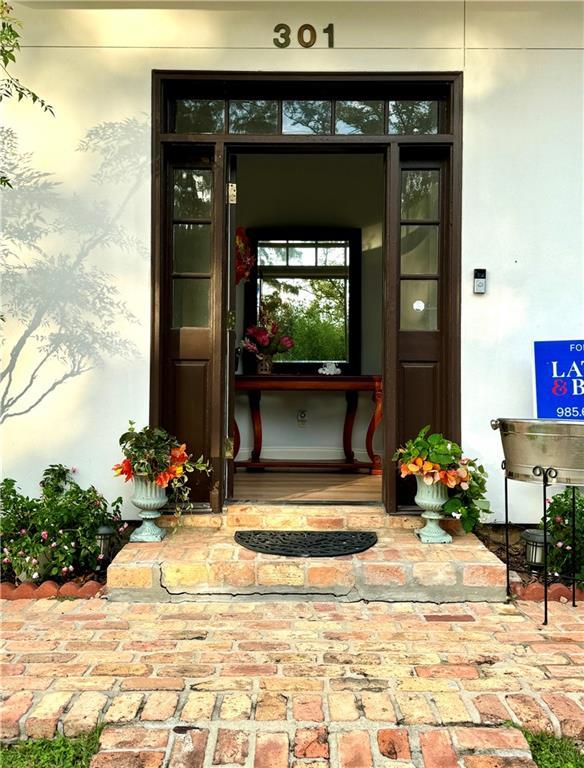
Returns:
(10, 86)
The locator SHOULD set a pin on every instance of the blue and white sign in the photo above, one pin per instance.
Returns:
(559, 379)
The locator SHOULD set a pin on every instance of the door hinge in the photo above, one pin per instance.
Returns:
(232, 193)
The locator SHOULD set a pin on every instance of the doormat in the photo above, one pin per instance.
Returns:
(306, 543)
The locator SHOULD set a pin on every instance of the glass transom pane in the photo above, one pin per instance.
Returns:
(190, 303)
(192, 193)
(253, 117)
(360, 117)
(191, 248)
(419, 249)
(313, 312)
(306, 117)
(269, 255)
(199, 116)
(419, 305)
(302, 256)
(332, 256)
(413, 117)
(420, 194)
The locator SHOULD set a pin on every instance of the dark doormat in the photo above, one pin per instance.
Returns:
(306, 543)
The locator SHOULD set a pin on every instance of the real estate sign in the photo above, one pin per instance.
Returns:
(559, 379)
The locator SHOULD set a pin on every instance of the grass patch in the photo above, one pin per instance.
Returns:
(551, 752)
(60, 752)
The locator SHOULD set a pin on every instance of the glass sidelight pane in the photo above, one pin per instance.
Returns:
(199, 116)
(190, 303)
(419, 305)
(361, 117)
(413, 117)
(192, 193)
(306, 117)
(420, 194)
(192, 248)
(253, 117)
(419, 249)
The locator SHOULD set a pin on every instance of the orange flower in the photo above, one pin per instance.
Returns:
(179, 455)
(163, 479)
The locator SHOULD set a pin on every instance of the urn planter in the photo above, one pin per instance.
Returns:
(431, 498)
(149, 499)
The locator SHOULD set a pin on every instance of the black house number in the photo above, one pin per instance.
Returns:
(306, 35)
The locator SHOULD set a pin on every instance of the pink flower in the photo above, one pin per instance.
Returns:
(44, 535)
(6, 561)
(568, 547)
(64, 569)
(250, 346)
(74, 470)
(262, 337)
(558, 519)
(35, 561)
(100, 557)
(22, 531)
(53, 544)
(287, 342)
(560, 544)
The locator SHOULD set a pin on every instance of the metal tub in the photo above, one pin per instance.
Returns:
(529, 443)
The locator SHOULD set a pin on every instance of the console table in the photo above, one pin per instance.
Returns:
(350, 385)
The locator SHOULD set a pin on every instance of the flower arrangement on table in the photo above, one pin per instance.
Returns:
(265, 341)
(244, 260)
(154, 454)
(435, 459)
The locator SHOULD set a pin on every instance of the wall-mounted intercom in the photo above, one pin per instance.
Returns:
(479, 284)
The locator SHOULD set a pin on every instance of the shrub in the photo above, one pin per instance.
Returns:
(53, 535)
(559, 524)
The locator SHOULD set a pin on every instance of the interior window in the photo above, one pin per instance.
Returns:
(307, 286)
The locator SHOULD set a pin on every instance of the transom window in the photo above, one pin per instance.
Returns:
(307, 117)
(309, 286)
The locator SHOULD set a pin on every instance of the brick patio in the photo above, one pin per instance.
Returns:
(302, 684)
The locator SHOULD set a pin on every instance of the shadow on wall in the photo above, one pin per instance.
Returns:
(63, 313)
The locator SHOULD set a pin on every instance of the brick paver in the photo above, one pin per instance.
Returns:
(293, 684)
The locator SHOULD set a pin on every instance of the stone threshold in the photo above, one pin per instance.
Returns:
(194, 563)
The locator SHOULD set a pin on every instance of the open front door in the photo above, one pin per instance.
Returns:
(188, 382)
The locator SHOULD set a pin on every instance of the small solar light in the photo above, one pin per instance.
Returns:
(534, 547)
(104, 538)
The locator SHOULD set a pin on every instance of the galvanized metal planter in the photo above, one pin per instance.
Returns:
(529, 443)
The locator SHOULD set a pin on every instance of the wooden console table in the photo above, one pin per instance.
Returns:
(350, 385)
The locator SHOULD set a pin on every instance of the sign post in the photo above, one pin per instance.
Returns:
(559, 379)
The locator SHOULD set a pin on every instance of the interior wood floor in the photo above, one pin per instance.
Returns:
(281, 485)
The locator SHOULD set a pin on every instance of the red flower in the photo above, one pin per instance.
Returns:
(163, 479)
(125, 468)
(287, 342)
(262, 337)
(179, 455)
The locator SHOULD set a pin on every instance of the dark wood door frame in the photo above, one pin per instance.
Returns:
(448, 143)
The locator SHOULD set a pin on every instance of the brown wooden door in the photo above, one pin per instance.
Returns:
(423, 294)
(190, 300)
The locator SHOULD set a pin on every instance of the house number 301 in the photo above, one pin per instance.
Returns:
(306, 35)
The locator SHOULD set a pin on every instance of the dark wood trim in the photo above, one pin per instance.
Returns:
(155, 226)
(391, 278)
(164, 146)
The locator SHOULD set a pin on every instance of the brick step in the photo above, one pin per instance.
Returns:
(192, 564)
(300, 517)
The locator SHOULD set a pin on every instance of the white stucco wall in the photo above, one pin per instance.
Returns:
(523, 67)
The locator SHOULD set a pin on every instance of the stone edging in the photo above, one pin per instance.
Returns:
(29, 591)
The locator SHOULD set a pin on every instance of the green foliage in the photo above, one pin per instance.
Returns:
(559, 525)
(551, 752)
(11, 87)
(435, 448)
(318, 327)
(60, 752)
(53, 535)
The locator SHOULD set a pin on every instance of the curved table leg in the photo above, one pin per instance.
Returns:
(256, 420)
(352, 401)
(236, 439)
(376, 468)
